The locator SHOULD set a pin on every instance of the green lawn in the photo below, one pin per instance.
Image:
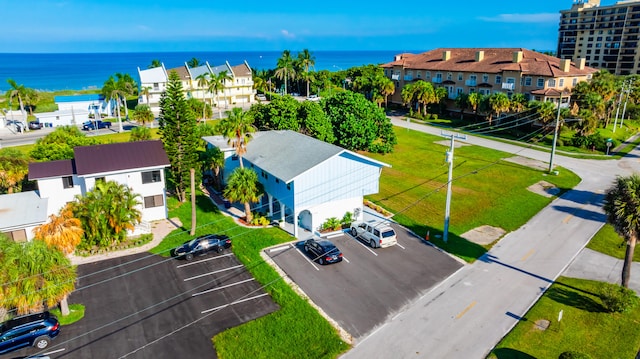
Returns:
(296, 330)
(76, 312)
(584, 327)
(607, 241)
(486, 190)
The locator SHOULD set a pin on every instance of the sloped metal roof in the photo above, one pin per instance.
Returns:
(19, 210)
(61, 168)
(119, 156)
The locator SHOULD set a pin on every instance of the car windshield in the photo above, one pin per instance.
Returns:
(193, 243)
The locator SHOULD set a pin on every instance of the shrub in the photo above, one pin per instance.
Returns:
(332, 223)
(259, 220)
(347, 219)
(434, 116)
(574, 355)
(617, 299)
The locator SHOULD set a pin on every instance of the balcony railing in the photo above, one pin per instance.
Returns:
(436, 80)
(508, 86)
(408, 77)
(471, 82)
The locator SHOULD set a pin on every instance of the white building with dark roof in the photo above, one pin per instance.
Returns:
(306, 181)
(138, 165)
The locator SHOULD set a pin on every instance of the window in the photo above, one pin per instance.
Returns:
(540, 82)
(449, 76)
(151, 176)
(153, 201)
(427, 74)
(527, 81)
(67, 182)
(485, 78)
(19, 235)
(561, 82)
(498, 79)
(156, 87)
(552, 83)
(460, 76)
(575, 81)
(419, 74)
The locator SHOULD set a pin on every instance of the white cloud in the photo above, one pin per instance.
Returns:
(287, 34)
(523, 18)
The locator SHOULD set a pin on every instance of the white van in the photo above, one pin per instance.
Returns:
(376, 234)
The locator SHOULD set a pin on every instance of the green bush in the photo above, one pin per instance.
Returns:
(347, 219)
(259, 220)
(574, 355)
(617, 299)
(332, 223)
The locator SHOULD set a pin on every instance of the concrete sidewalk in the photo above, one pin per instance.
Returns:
(593, 265)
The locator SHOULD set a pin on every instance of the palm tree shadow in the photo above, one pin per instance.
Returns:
(508, 353)
(574, 297)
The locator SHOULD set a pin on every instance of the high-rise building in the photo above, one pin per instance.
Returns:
(606, 36)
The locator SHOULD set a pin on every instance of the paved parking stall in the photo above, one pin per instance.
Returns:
(158, 307)
(371, 285)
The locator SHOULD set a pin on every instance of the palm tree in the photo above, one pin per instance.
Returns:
(622, 206)
(217, 84)
(143, 114)
(243, 186)
(212, 158)
(146, 91)
(285, 69)
(499, 103)
(474, 101)
(462, 102)
(237, 128)
(194, 62)
(307, 60)
(63, 231)
(154, 63)
(223, 77)
(16, 91)
(387, 88)
(14, 168)
(203, 83)
(128, 87)
(425, 94)
(111, 91)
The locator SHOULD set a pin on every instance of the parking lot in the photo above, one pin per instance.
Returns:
(146, 306)
(370, 285)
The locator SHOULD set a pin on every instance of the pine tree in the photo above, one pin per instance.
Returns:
(179, 135)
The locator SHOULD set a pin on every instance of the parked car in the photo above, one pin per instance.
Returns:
(261, 97)
(376, 234)
(323, 250)
(313, 98)
(203, 245)
(91, 125)
(35, 125)
(35, 330)
(295, 94)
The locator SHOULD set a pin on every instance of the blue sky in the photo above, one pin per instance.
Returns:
(248, 25)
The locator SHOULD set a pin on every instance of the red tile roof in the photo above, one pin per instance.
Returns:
(496, 60)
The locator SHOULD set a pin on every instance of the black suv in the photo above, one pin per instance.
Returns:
(35, 330)
(323, 250)
(203, 245)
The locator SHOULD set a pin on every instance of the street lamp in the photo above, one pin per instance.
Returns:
(555, 132)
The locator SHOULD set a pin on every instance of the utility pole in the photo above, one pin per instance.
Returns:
(447, 210)
(555, 133)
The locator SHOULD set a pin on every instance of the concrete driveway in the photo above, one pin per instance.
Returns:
(146, 306)
(369, 286)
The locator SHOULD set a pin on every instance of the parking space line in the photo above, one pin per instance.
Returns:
(308, 260)
(400, 245)
(345, 259)
(52, 352)
(278, 249)
(223, 287)
(214, 272)
(232, 303)
(365, 246)
(204, 260)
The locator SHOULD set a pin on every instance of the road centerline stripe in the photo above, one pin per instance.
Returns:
(468, 308)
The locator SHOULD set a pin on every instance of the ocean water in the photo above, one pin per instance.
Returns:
(49, 72)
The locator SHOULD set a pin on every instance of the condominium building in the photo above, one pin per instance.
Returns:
(509, 70)
(605, 36)
(238, 87)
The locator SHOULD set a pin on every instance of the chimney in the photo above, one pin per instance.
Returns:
(479, 56)
(580, 62)
(517, 57)
(446, 55)
(397, 57)
(565, 65)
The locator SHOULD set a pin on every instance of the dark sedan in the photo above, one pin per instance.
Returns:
(92, 125)
(323, 250)
(203, 245)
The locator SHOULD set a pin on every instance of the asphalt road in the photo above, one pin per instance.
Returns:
(369, 286)
(473, 309)
(150, 311)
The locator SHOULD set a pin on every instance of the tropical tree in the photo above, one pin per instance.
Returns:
(63, 231)
(154, 63)
(146, 92)
(237, 128)
(194, 62)
(14, 167)
(178, 131)
(16, 91)
(213, 159)
(128, 87)
(622, 206)
(59, 144)
(112, 91)
(140, 133)
(314, 122)
(474, 101)
(31, 97)
(462, 102)
(499, 103)
(285, 69)
(143, 114)
(34, 276)
(518, 102)
(387, 88)
(115, 205)
(243, 186)
(307, 60)
(203, 83)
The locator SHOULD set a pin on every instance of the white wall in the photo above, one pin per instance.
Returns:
(322, 212)
(53, 189)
